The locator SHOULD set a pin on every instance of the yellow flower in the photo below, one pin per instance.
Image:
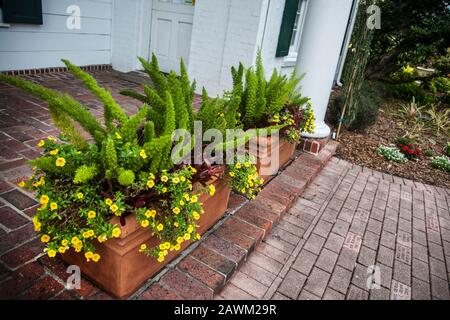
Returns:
(143, 154)
(187, 236)
(51, 253)
(247, 164)
(160, 227)
(196, 215)
(53, 206)
(176, 180)
(162, 246)
(116, 232)
(95, 257)
(212, 189)
(164, 178)
(243, 190)
(177, 247)
(160, 259)
(80, 195)
(176, 224)
(21, 184)
(65, 243)
(181, 203)
(45, 238)
(118, 136)
(145, 223)
(37, 226)
(108, 201)
(60, 162)
(44, 199)
(186, 197)
(231, 173)
(102, 238)
(150, 184)
(182, 179)
(164, 190)
(114, 208)
(89, 255)
(78, 247)
(86, 234)
(91, 214)
(51, 138)
(193, 170)
(41, 143)
(54, 152)
(75, 240)
(238, 166)
(194, 199)
(62, 249)
(176, 210)
(198, 236)
(143, 247)
(190, 228)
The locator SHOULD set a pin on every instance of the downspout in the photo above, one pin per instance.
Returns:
(345, 44)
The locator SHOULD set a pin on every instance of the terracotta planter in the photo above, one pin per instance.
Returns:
(122, 268)
(268, 166)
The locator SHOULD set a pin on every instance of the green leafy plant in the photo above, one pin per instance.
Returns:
(244, 177)
(447, 149)
(391, 154)
(441, 163)
(439, 120)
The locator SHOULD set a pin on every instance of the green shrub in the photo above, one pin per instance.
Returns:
(440, 84)
(407, 91)
(391, 154)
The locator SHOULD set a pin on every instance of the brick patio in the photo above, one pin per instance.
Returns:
(302, 238)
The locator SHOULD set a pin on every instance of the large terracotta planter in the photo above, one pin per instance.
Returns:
(122, 268)
(267, 147)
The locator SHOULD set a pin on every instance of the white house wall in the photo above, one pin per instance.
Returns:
(27, 46)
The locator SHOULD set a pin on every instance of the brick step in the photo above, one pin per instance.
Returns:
(205, 271)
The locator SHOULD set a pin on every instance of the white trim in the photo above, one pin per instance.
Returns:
(291, 58)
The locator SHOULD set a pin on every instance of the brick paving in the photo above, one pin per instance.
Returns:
(305, 236)
(350, 224)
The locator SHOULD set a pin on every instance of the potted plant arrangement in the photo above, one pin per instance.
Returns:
(273, 102)
(112, 199)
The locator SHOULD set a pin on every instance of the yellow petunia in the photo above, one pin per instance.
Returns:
(196, 215)
(194, 199)
(88, 255)
(62, 249)
(118, 136)
(108, 201)
(114, 207)
(60, 162)
(238, 166)
(75, 240)
(182, 179)
(116, 232)
(102, 238)
(91, 214)
(186, 197)
(143, 247)
(176, 210)
(247, 164)
(160, 227)
(160, 259)
(150, 184)
(176, 224)
(143, 154)
(80, 195)
(53, 206)
(176, 180)
(212, 189)
(21, 184)
(187, 236)
(65, 243)
(181, 203)
(177, 247)
(180, 240)
(51, 138)
(197, 236)
(231, 173)
(44, 199)
(145, 223)
(54, 152)
(41, 143)
(51, 253)
(190, 229)
(164, 190)
(45, 238)
(95, 257)
(164, 178)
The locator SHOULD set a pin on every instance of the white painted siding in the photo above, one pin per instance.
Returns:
(26, 46)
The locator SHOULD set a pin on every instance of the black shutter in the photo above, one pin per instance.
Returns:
(287, 26)
(22, 11)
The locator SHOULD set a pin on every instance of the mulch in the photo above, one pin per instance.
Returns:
(360, 147)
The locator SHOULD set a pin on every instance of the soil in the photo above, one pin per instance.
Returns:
(360, 147)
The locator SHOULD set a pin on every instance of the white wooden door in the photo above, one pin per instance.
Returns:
(171, 32)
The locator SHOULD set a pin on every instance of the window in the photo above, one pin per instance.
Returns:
(22, 11)
(297, 29)
(291, 28)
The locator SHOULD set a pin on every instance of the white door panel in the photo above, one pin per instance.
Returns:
(171, 33)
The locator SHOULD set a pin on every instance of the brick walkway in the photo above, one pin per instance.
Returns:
(348, 219)
(275, 246)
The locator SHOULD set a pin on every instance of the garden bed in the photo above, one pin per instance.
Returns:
(360, 147)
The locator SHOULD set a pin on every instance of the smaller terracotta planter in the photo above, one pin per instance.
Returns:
(267, 147)
(122, 268)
